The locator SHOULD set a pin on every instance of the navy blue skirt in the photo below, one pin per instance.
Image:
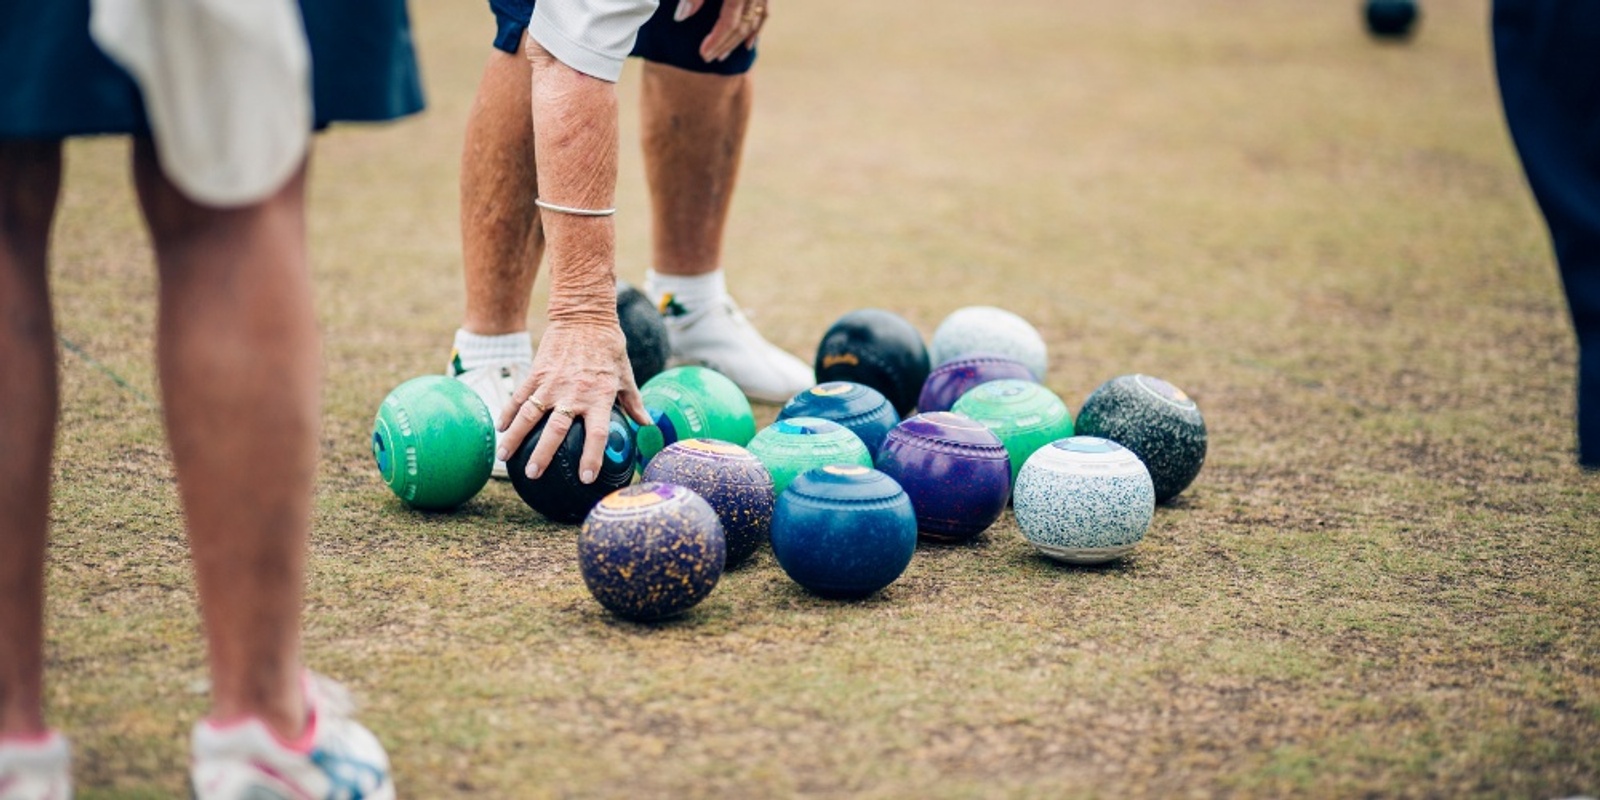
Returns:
(57, 82)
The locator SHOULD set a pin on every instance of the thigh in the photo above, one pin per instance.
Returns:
(30, 181)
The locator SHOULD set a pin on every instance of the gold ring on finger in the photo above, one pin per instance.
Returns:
(570, 414)
(538, 406)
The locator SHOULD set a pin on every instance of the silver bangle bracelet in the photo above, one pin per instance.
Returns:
(577, 212)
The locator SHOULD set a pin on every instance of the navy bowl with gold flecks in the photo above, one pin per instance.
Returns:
(732, 480)
(651, 551)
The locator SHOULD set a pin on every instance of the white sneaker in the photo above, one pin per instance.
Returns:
(495, 384)
(336, 759)
(36, 770)
(720, 337)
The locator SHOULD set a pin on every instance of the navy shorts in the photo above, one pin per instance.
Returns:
(58, 83)
(676, 44)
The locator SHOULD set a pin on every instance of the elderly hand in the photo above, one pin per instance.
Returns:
(739, 23)
(580, 370)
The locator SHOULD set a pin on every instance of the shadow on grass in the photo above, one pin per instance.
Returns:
(1033, 562)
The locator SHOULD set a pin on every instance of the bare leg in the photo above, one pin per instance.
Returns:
(501, 239)
(694, 127)
(693, 131)
(240, 376)
(30, 177)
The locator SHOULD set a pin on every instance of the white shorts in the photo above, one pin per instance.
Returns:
(591, 36)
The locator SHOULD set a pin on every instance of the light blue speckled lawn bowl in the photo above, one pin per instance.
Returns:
(1084, 500)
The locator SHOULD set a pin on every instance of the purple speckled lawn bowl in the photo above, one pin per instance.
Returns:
(950, 380)
(955, 470)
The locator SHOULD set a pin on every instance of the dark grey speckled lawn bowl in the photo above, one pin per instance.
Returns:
(1155, 420)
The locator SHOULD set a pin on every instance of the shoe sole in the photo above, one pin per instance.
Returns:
(385, 792)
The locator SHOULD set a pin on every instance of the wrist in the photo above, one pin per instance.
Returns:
(588, 297)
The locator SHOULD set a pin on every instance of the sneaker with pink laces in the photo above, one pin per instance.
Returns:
(334, 759)
(35, 768)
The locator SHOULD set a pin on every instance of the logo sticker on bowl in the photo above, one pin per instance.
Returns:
(1164, 391)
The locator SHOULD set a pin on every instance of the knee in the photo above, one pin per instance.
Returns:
(171, 217)
(175, 220)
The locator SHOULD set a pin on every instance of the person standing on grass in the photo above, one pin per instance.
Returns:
(525, 170)
(1549, 74)
(220, 98)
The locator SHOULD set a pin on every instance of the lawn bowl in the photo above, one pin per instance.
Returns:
(791, 446)
(557, 493)
(987, 329)
(1084, 500)
(875, 348)
(955, 470)
(433, 442)
(844, 531)
(692, 402)
(1391, 19)
(1154, 419)
(1024, 415)
(645, 332)
(952, 379)
(728, 477)
(862, 409)
(651, 551)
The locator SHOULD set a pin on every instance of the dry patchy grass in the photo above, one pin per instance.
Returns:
(1383, 583)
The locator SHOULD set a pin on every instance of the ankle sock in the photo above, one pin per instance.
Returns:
(473, 351)
(678, 295)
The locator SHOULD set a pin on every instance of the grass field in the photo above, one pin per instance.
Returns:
(1384, 582)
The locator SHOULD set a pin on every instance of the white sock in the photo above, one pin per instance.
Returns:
(677, 295)
(473, 351)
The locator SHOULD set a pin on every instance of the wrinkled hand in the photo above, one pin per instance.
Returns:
(581, 369)
(739, 23)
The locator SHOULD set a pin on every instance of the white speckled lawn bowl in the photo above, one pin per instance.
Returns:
(1084, 500)
(986, 329)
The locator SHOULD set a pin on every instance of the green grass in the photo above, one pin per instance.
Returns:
(1382, 583)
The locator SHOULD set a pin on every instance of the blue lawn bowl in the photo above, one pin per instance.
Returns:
(651, 551)
(862, 409)
(844, 531)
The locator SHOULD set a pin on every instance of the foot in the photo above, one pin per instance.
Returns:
(718, 336)
(335, 759)
(35, 769)
(495, 384)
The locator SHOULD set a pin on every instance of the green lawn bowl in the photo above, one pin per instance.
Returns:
(691, 402)
(433, 442)
(1024, 415)
(790, 447)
